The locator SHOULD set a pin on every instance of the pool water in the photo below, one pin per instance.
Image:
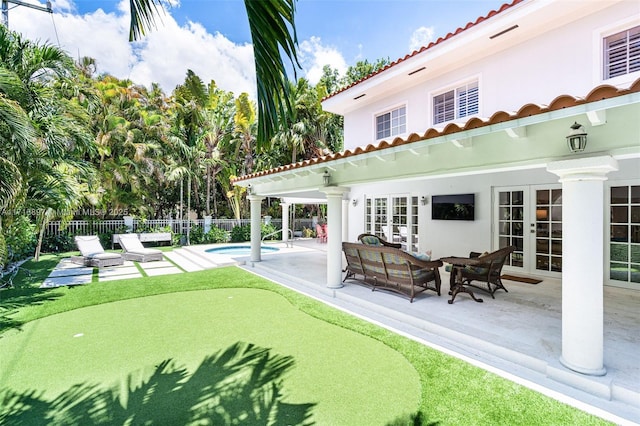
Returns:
(240, 250)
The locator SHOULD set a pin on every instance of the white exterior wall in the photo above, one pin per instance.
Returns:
(565, 61)
(448, 238)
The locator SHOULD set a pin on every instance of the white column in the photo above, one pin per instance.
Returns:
(256, 226)
(583, 261)
(285, 221)
(345, 220)
(334, 235)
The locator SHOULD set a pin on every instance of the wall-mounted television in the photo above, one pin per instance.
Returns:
(453, 207)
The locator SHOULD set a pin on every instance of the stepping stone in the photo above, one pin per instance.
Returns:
(163, 271)
(66, 281)
(120, 277)
(69, 272)
(155, 265)
(68, 264)
(117, 271)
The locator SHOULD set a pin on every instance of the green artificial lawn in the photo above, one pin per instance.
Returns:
(322, 361)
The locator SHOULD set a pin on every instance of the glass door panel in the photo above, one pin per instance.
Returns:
(380, 217)
(399, 220)
(394, 218)
(511, 224)
(530, 219)
(548, 230)
(412, 238)
(624, 238)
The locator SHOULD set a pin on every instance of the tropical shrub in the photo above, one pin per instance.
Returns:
(59, 243)
(20, 237)
(241, 233)
(196, 235)
(215, 235)
(269, 229)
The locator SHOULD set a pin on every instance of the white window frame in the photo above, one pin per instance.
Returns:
(390, 111)
(394, 219)
(599, 35)
(456, 88)
(607, 240)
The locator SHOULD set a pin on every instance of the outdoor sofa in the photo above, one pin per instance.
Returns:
(390, 268)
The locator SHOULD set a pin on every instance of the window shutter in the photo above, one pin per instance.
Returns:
(622, 53)
(468, 100)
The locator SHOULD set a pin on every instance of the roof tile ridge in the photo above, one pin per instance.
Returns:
(600, 92)
(457, 31)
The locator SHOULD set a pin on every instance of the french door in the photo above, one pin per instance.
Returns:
(394, 218)
(530, 218)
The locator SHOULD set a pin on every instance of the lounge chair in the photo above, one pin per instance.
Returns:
(374, 240)
(92, 253)
(487, 272)
(134, 250)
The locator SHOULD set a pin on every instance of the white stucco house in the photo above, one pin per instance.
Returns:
(483, 114)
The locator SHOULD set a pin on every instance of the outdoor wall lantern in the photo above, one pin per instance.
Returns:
(577, 138)
(354, 202)
(326, 178)
(424, 200)
(249, 189)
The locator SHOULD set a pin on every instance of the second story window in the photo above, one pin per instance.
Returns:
(622, 53)
(460, 102)
(391, 123)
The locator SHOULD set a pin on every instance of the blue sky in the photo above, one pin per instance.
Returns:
(212, 36)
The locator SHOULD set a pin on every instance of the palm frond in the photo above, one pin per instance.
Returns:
(143, 13)
(10, 182)
(273, 31)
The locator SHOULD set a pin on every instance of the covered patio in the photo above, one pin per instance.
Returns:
(518, 335)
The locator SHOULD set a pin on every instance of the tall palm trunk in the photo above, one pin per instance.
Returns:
(188, 208)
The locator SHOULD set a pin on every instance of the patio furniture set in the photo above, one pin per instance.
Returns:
(92, 253)
(380, 264)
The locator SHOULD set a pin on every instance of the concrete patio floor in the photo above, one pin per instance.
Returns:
(517, 334)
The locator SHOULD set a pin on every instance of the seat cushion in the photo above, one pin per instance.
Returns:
(104, 256)
(145, 251)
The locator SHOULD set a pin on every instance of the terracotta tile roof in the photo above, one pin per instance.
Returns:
(480, 19)
(604, 91)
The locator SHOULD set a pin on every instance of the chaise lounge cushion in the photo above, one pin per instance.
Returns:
(134, 250)
(93, 254)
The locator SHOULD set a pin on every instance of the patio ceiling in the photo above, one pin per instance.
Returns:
(528, 138)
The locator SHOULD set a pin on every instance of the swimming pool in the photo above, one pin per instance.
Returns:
(240, 250)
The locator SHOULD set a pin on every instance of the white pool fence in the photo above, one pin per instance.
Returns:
(93, 227)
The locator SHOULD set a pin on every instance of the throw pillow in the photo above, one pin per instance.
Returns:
(421, 256)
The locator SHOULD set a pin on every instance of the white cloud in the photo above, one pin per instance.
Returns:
(421, 37)
(314, 56)
(162, 57)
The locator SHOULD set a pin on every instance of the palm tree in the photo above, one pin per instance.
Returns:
(273, 31)
(245, 124)
(43, 129)
(218, 127)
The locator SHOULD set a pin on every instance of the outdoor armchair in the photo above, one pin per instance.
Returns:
(92, 253)
(134, 250)
(487, 274)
